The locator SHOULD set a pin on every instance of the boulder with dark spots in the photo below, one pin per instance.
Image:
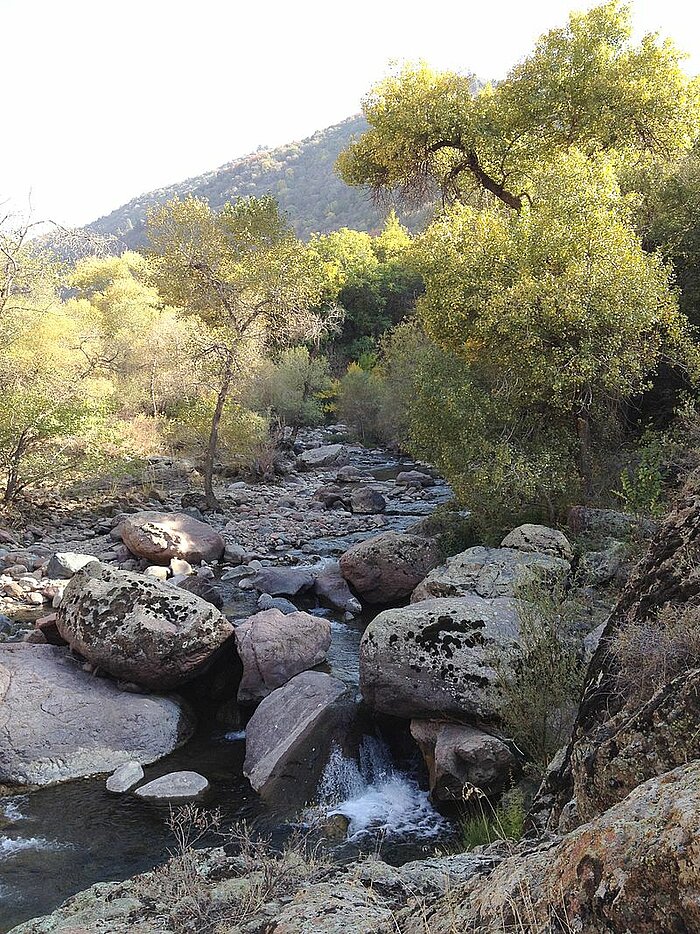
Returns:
(435, 659)
(283, 582)
(388, 567)
(58, 723)
(139, 629)
(458, 757)
(160, 536)
(274, 647)
(490, 572)
(539, 539)
(290, 735)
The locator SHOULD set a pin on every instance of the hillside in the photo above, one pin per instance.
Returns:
(301, 176)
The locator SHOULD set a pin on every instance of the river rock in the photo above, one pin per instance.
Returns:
(367, 501)
(389, 566)
(459, 757)
(332, 590)
(435, 658)
(540, 539)
(289, 737)
(64, 564)
(328, 455)
(125, 778)
(489, 572)
(139, 629)
(414, 478)
(59, 723)
(175, 786)
(267, 602)
(283, 582)
(207, 590)
(274, 647)
(160, 536)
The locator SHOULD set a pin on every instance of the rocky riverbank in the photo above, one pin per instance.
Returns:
(169, 618)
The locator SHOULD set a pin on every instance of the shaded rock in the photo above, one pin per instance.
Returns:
(461, 756)
(287, 582)
(64, 564)
(415, 478)
(636, 868)
(160, 536)
(332, 590)
(289, 736)
(608, 523)
(332, 496)
(600, 567)
(47, 626)
(328, 455)
(350, 474)
(540, 539)
(234, 554)
(367, 501)
(59, 723)
(275, 647)
(268, 602)
(389, 566)
(124, 778)
(203, 588)
(139, 629)
(435, 658)
(175, 786)
(489, 572)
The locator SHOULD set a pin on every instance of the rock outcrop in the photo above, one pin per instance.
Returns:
(289, 737)
(160, 536)
(489, 572)
(435, 659)
(539, 539)
(459, 757)
(140, 629)
(388, 567)
(58, 723)
(274, 647)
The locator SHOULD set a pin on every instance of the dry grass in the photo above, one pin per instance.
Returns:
(651, 653)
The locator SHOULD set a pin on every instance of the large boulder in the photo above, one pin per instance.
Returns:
(274, 647)
(489, 572)
(388, 567)
(459, 757)
(435, 659)
(636, 868)
(367, 501)
(540, 539)
(160, 536)
(59, 723)
(328, 455)
(332, 590)
(289, 737)
(139, 629)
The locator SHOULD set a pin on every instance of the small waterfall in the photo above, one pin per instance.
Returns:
(378, 799)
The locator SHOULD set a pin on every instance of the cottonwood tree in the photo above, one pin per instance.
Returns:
(586, 86)
(548, 312)
(245, 276)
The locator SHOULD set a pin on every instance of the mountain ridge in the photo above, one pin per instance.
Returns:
(301, 175)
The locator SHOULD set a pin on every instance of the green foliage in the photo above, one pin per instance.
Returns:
(540, 683)
(642, 485)
(358, 402)
(243, 434)
(293, 388)
(585, 87)
(504, 822)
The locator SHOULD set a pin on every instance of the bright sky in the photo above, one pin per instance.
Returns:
(102, 100)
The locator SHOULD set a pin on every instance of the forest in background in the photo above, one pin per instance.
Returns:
(536, 340)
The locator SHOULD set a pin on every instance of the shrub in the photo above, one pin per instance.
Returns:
(359, 402)
(292, 389)
(242, 434)
(651, 653)
(504, 822)
(540, 681)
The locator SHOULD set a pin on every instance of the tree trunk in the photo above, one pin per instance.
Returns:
(583, 428)
(213, 443)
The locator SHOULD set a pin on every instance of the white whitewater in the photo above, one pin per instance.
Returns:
(378, 799)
